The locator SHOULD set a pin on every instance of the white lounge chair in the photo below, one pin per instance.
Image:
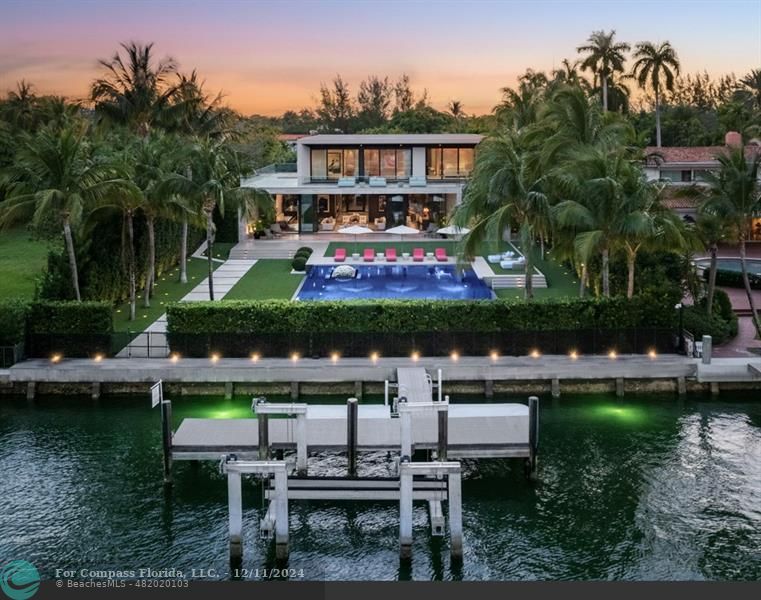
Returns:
(347, 182)
(377, 182)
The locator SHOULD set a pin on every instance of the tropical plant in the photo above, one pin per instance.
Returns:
(605, 57)
(504, 192)
(752, 84)
(656, 66)
(735, 198)
(134, 90)
(455, 109)
(58, 173)
(710, 230)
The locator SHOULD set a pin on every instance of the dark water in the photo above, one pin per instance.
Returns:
(433, 282)
(647, 488)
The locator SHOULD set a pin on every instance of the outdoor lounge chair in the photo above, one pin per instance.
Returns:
(368, 255)
(391, 254)
(441, 255)
(418, 254)
(340, 255)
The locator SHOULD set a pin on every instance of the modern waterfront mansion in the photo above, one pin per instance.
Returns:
(378, 181)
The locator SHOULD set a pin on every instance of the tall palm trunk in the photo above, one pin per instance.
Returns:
(131, 267)
(72, 257)
(184, 250)
(631, 257)
(712, 279)
(151, 276)
(657, 118)
(584, 280)
(748, 291)
(606, 272)
(209, 209)
(527, 241)
(604, 81)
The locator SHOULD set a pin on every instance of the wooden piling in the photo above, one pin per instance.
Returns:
(681, 386)
(228, 390)
(294, 390)
(95, 390)
(31, 390)
(281, 514)
(436, 516)
(443, 417)
(533, 435)
(235, 510)
(352, 421)
(301, 444)
(620, 387)
(166, 439)
(358, 388)
(555, 387)
(714, 388)
(488, 388)
(264, 436)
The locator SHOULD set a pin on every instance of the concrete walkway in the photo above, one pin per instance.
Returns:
(152, 342)
(744, 340)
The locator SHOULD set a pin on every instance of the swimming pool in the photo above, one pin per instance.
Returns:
(432, 282)
(731, 264)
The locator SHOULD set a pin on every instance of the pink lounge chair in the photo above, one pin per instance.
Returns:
(441, 254)
(418, 254)
(368, 255)
(340, 255)
(391, 254)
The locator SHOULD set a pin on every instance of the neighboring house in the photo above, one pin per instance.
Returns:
(684, 166)
(290, 139)
(378, 181)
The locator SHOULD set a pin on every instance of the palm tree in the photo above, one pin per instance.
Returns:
(504, 191)
(752, 81)
(710, 230)
(657, 66)
(596, 205)
(519, 108)
(734, 197)
(134, 90)
(455, 109)
(20, 106)
(58, 173)
(604, 58)
(212, 182)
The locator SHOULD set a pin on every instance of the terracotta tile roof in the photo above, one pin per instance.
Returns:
(690, 154)
(291, 137)
(674, 198)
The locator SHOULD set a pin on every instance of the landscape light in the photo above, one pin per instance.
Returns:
(56, 358)
(334, 356)
(374, 357)
(612, 354)
(215, 358)
(415, 356)
(294, 356)
(494, 355)
(98, 357)
(652, 353)
(535, 353)
(255, 357)
(175, 357)
(573, 355)
(454, 355)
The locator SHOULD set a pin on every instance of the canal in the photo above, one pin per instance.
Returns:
(644, 488)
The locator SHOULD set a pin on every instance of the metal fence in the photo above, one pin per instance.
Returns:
(120, 345)
(437, 343)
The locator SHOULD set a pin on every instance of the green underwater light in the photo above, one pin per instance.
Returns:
(621, 413)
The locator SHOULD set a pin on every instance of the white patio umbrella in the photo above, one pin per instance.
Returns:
(453, 230)
(355, 230)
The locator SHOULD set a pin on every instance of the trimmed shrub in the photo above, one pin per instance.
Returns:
(305, 250)
(12, 322)
(299, 263)
(75, 329)
(698, 323)
(435, 327)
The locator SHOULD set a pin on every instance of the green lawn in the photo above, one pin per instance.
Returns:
(22, 260)
(268, 279)
(168, 289)
(561, 281)
(221, 250)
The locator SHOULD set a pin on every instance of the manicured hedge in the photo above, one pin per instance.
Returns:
(394, 327)
(12, 322)
(299, 263)
(74, 329)
(734, 279)
(698, 323)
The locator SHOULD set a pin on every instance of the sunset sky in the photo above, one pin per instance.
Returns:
(268, 57)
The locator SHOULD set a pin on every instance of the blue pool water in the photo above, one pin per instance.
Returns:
(732, 264)
(432, 282)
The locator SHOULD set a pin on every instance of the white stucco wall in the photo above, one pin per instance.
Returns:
(418, 161)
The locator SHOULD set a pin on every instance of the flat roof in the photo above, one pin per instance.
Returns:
(392, 138)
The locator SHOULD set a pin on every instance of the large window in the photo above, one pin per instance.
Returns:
(442, 163)
(372, 163)
(390, 163)
(333, 163)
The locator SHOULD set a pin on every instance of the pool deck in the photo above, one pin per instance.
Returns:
(552, 369)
